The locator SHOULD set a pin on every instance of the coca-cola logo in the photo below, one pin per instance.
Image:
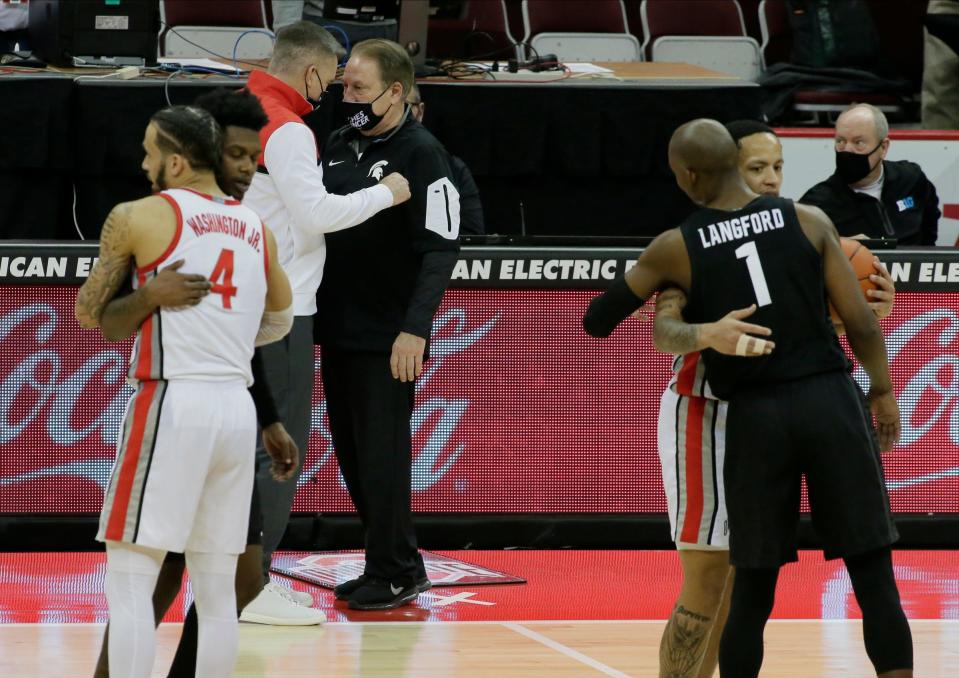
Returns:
(40, 385)
(451, 335)
(931, 393)
(518, 410)
(40, 379)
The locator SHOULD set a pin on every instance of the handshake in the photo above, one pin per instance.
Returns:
(398, 185)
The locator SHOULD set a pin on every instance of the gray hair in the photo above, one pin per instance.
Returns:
(878, 119)
(301, 43)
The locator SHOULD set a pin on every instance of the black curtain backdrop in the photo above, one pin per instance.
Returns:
(549, 159)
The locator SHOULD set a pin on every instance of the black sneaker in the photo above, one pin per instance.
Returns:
(379, 594)
(345, 590)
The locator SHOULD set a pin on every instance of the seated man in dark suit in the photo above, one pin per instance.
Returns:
(471, 208)
(869, 195)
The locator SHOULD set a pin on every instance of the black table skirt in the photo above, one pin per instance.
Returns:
(548, 159)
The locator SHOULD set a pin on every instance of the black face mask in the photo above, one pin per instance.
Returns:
(361, 116)
(853, 167)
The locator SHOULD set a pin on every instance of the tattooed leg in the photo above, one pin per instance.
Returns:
(686, 640)
(711, 658)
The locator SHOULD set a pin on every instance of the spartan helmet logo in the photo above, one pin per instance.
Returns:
(376, 171)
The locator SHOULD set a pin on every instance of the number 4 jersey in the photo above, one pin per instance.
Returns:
(760, 255)
(213, 341)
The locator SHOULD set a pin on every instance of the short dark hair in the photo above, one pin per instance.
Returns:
(746, 128)
(233, 107)
(394, 61)
(192, 132)
(301, 42)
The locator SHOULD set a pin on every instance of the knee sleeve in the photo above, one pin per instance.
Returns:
(131, 576)
(885, 629)
(213, 578)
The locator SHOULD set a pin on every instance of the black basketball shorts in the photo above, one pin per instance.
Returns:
(816, 428)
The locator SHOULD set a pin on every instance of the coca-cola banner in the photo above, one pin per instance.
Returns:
(518, 411)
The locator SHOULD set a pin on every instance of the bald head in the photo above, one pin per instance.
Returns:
(860, 117)
(704, 146)
(704, 157)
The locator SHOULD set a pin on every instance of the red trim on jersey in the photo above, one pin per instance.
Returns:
(213, 198)
(694, 469)
(176, 236)
(131, 460)
(686, 379)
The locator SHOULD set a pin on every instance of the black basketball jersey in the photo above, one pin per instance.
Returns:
(760, 255)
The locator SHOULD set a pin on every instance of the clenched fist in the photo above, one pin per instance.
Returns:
(398, 185)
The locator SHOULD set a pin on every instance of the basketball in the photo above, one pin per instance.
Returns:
(861, 258)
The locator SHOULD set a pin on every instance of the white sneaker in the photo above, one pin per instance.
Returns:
(271, 607)
(299, 597)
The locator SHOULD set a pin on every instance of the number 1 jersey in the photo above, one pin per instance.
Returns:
(213, 341)
(760, 255)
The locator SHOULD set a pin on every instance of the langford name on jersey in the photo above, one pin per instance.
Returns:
(741, 227)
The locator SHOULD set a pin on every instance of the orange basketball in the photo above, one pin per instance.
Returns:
(861, 258)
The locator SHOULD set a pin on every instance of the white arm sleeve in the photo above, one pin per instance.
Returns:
(274, 326)
(290, 158)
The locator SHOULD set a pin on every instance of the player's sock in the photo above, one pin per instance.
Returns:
(131, 575)
(213, 577)
(884, 625)
(741, 647)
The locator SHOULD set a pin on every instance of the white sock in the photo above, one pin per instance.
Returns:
(131, 576)
(213, 576)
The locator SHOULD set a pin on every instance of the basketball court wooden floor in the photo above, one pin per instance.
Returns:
(582, 613)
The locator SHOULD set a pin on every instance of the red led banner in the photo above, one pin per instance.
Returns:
(519, 410)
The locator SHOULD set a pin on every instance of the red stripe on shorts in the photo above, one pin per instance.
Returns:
(131, 459)
(686, 379)
(694, 468)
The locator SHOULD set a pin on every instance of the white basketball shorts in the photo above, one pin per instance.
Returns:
(692, 444)
(184, 470)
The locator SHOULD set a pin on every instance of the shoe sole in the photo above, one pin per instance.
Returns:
(254, 618)
(396, 602)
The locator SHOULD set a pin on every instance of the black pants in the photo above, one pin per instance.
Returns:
(369, 415)
(289, 372)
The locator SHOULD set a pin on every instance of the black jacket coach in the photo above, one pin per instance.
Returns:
(908, 210)
(383, 277)
(388, 274)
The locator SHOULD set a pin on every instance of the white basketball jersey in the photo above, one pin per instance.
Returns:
(213, 341)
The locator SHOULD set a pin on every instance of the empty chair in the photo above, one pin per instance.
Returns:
(215, 25)
(819, 104)
(482, 32)
(708, 33)
(776, 34)
(580, 31)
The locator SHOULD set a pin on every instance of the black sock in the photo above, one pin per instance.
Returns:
(741, 647)
(184, 661)
(884, 625)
